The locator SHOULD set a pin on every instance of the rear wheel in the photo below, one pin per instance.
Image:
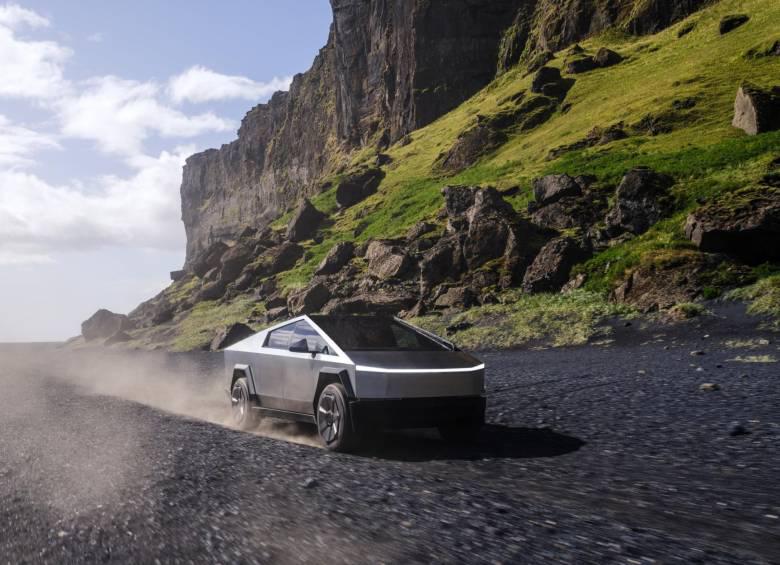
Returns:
(333, 420)
(243, 416)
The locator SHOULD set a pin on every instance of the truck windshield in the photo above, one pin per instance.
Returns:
(355, 333)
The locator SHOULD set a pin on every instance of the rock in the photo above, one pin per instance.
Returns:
(458, 327)
(551, 268)
(732, 22)
(698, 352)
(275, 301)
(756, 110)
(103, 324)
(310, 482)
(744, 224)
(641, 199)
(277, 259)
(209, 259)
(163, 312)
(211, 291)
(233, 262)
(229, 335)
(545, 76)
(580, 65)
(443, 261)
(276, 313)
(551, 188)
(606, 57)
(383, 159)
(470, 146)
(387, 260)
(358, 186)
(683, 103)
(596, 136)
(709, 387)
(686, 29)
(662, 284)
(576, 282)
(456, 297)
(305, 222)
(178, 275)
(381, 301)
(419, 229)
(245, 281)
(308, 300)
(338, 256)
(737, 429)
(118, 337)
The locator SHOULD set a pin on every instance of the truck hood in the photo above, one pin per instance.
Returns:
(422, 360)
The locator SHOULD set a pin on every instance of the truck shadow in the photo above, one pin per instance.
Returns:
(495, 442)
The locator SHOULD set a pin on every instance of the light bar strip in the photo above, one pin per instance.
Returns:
(383, 370)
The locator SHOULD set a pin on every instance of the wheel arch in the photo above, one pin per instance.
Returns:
(327, 377)
(240, 371)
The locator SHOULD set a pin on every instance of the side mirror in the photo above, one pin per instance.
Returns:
(299, 347)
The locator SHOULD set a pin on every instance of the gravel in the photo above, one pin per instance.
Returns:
(595, 454)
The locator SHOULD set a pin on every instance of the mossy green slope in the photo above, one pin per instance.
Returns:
(704, 153)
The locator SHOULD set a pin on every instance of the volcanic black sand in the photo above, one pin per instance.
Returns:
(609, 452)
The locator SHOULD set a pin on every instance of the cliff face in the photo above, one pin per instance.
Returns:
(389, 67)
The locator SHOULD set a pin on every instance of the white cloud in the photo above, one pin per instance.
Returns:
(96, 37)
(199, 84)
(120, 114)
(17, 144)
(13, 15)
(141, 210)
(30, 69)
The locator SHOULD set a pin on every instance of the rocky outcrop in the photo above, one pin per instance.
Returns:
(732, 22)
(745, 225)
(757, 110)
(387, 260)
(209, 258)
(552, 188)
(309, 300)
(551, 268)
(304, 222)
(103, 324)
(229, 335)
(641, 199)
(338, 256)
(358, 187)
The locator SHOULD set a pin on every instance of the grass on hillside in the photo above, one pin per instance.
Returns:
(763, 299)
(541, 319)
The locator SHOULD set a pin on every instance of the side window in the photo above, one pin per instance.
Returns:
(280, 338)
(303, 331)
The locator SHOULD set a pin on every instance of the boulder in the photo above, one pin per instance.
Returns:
(383, 301)
(443, 261)
(275, 301)
(162, 312)
(358, 187)
(457, 199)
(745, 225)
(606, 57)
(386, 260)
(419, 229)
(308, 300)
(118, 337)
(551, 268)
(305, 222)
(732, 22)
(456, 297)
(580, 65)
(103, 324)
(550, 188)
(756, 110)
(278, 259)
(276, 313)
(338, 256)
(641, 199)
(209, 259)
(245, 281)
(178, 275)
(545, 76)
(233, 262)
(470, 146)
(229, 335)
(211, 290)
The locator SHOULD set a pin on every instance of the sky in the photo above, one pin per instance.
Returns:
(100, 104)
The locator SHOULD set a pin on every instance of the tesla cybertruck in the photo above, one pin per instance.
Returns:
(353, 374)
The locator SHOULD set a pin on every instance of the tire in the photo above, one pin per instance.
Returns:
(242, 414)
(462, 431)
(334, 423)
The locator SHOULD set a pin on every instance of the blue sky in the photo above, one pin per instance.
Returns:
(101, 103)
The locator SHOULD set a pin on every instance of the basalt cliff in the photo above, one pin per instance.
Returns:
(444, 159)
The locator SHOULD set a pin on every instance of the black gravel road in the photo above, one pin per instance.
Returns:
(604, 453)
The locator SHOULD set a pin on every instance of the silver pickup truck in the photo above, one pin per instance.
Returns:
(349, 374)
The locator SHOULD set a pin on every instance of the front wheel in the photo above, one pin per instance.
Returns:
(243, 416)
(333, 420)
